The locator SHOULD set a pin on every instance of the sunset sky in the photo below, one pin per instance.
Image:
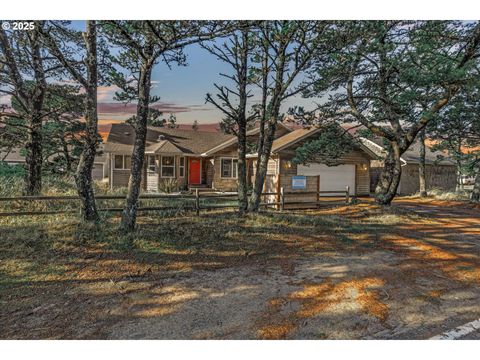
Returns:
(182, 89)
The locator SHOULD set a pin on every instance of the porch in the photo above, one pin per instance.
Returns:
(164, 173)
(169, 172)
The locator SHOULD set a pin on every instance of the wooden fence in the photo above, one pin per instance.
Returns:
(192, 202)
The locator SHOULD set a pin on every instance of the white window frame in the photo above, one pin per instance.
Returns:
(169, 166)
(231, 164)
(154, 165)
(123, 162)
(181, 167)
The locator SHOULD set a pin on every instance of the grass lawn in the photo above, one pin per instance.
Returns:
(359, 271)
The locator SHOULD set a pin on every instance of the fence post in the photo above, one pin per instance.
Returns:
(282, 199)
(318, 191)
(197, 202)
(347, 195)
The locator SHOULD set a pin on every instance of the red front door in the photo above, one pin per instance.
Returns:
(194, 173)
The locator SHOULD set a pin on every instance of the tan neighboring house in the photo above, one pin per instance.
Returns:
(204, 159)
(441, 171)
(100, 167)
(12, 157)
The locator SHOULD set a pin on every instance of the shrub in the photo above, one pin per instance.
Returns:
(168, 185)
(440, 194)
(11, 170)
(11, 185)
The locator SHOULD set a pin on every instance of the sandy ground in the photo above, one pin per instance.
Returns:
(414, 282)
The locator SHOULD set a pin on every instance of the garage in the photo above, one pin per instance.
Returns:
(332, 178)
(97, 171)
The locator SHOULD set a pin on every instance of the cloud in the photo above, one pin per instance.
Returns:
(119, 108)
(5, 99)
(105, 93)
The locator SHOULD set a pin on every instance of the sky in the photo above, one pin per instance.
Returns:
(182, 89)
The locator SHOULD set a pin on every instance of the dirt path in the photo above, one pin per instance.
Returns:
(422, 280)
(412, 278)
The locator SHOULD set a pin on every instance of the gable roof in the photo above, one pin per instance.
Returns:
(163, 145)
(303, 133)
(293, 137)
(172, 140)
(234, 140)
(412, 155)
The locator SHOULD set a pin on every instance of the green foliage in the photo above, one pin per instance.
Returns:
(457, 130)
(62, 129)
(168, 185)
(329, 145)
(13, 171)
(388, 75)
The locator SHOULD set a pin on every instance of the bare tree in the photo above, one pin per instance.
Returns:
(232, 101)
(286, 50)
(142, 45)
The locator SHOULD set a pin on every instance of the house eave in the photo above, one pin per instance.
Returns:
(234, 140)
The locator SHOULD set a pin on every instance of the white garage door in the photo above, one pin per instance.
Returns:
(332, 178)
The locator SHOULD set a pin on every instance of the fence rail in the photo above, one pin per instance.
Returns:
(280, 202)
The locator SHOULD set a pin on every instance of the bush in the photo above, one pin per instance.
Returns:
(168, 185)
(440, 194)
(11, 170)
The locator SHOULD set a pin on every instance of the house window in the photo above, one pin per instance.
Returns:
(229, 168)
(181, 167)
(152, 164)
(123, 162)
(127, 162)
(168, 166)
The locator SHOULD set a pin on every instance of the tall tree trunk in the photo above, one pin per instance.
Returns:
(421, 166)
(34, 143)
(262, 165)
(460, 185)
(475, 197)
(33, 159)
(129, 214)
(390, 176)
(68, 159)
(268, 135)
(83, 176)
(242, 122)
(242, 168)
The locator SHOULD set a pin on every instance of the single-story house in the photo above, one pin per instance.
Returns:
(441, 171)
(193, 158)
(171, 155)
(100, 167)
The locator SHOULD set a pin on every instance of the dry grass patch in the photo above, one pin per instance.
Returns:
(315, 299)
(95, 276)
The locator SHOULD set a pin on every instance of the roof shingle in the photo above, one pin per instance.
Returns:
(195, 142)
